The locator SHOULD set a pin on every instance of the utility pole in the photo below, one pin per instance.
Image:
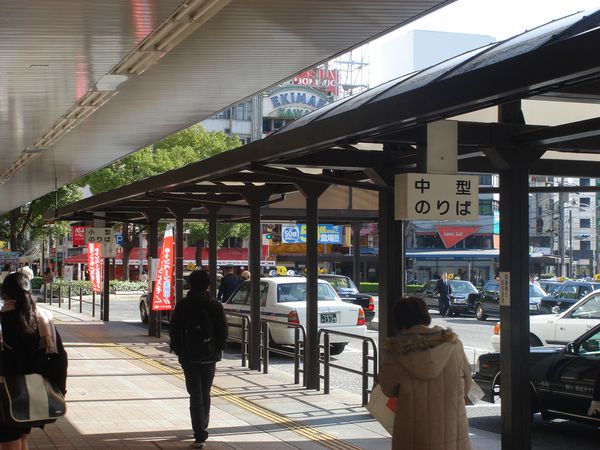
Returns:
(561, 232)
(570, 242)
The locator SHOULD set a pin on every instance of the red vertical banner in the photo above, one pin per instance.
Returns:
(95, 266)
(162, 297)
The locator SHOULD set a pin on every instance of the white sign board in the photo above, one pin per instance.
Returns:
(504, 286)
(427, 196)
(106, 238)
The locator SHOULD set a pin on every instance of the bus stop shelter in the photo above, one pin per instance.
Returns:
(497, 96)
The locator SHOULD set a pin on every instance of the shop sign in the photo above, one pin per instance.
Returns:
(78, 235)
(451, 236)
(319, 78)
(296, 234)
(426, 196)
(162, 297)
(292, 102)
(95, 265)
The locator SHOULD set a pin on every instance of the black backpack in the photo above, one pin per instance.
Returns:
(197, 337)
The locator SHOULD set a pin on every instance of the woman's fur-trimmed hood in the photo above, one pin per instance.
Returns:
(422, 351)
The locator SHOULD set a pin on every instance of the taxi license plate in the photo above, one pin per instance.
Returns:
(328, 318)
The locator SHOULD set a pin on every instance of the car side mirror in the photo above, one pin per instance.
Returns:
(572, 348)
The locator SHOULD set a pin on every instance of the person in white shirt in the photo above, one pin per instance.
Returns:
(26, 270)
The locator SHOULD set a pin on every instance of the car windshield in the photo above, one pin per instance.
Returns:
(462, 287)
(340, 283)
(535, 291)
(296, 292)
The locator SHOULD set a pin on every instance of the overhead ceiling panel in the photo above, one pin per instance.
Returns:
(52, 53)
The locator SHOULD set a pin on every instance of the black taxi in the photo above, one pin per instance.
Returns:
(562, 378)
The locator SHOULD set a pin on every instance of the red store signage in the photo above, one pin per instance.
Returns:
(453, 235)
(78, 235)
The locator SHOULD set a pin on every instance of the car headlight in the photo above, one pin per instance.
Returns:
(556, 310)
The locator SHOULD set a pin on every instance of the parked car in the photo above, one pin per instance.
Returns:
(487, 303)
(461, 289)
(562, 378)
(348, 292)
(165, 316)
(567, 295)
(284, 299)
(560, 329)
(550, 286)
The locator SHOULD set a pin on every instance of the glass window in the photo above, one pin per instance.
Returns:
(535, 291)
(264, 289)
(590, 346)
(462, 288)
(569, 292)
(584, 182)
(589, 310)
(585, 245)
(485, 180)
(585, 201)
(585, 223)
(241, 296)
(584, 290)
(296, 292)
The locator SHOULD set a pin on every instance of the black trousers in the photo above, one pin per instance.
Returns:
(198, 381)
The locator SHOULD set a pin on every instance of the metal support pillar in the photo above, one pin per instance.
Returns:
(311, 193)
(391, 265)
(212, 248)
(255, 198)
(179, 212)
(514, 358)
(106, 291)
(154, 324)
(356, 253)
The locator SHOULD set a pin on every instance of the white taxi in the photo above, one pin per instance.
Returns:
(560, 329)
(284, 299)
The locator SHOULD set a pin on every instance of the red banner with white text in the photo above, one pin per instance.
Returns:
(162, 297)
(78, 235)
(95, 266)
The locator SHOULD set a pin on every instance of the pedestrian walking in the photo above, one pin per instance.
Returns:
(443, 288)
(245, 275)
(29, 343)
(229, 283)
(426, 368)
(198, 332)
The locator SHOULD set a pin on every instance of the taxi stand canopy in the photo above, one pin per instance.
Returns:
(359, 144)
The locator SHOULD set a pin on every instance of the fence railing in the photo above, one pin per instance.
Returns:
(52, 292)
(324, 333)
(296, 354)
(244, 333)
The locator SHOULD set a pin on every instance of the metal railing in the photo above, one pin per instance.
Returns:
(49, 294)
(296, 354)
(365, 374)
(244, 333)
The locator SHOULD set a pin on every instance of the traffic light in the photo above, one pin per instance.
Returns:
(269, 233)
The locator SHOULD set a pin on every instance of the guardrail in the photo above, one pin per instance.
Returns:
(296, 354)
(327, 364)
(245, 332)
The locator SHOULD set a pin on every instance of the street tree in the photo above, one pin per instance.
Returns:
(182, 148)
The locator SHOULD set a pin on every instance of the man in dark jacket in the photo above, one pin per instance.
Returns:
(229, 283)
(198, 332)
(443, 288)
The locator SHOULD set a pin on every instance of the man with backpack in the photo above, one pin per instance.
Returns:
(198, 332)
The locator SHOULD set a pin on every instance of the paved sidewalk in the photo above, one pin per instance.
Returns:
(125, 390)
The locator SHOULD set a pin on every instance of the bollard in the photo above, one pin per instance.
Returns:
(69, 294)
(80, 299)
(297, 356)
(59, 296)
(93, 303)
(51, 287)
(265, 346)
(244, 343)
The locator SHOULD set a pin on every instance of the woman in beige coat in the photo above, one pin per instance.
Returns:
(427, 369)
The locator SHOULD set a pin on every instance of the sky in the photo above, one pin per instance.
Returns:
(498, 18)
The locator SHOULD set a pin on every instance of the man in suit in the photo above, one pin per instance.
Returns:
(443, 288)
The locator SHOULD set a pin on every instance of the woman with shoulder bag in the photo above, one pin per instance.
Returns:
(29, 344)
(426, 368)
